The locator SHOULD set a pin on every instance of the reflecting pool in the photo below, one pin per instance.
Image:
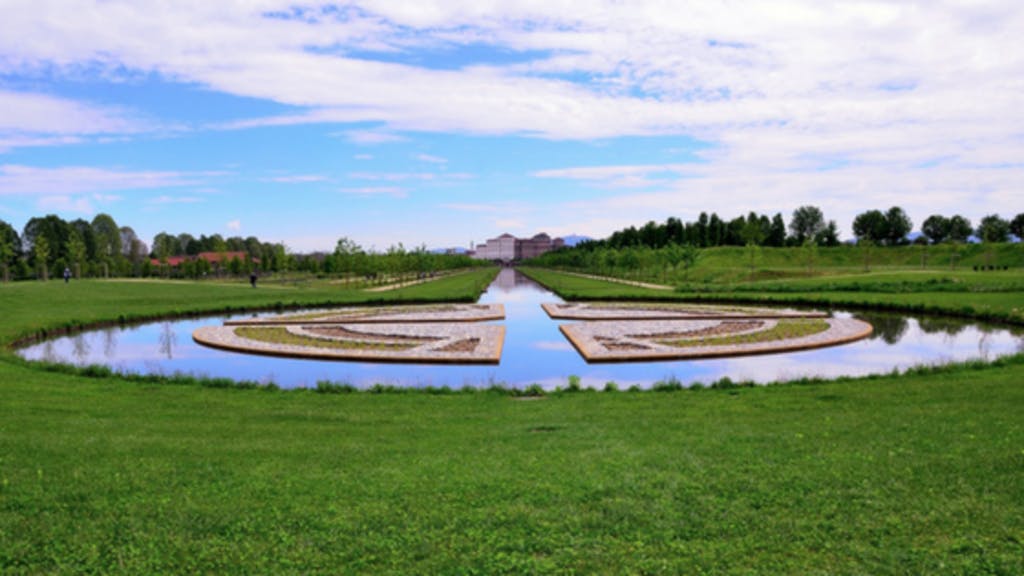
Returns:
(535, 352)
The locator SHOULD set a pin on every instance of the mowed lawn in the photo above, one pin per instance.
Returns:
(912, 474)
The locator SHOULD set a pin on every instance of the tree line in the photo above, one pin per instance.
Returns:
(101, 248)
(707, 231)
(807, 224)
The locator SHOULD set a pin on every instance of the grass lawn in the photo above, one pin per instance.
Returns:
(913, 474)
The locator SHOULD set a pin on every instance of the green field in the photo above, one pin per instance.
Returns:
(921, 473)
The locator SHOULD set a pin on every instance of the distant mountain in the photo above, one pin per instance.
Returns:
(573, 239)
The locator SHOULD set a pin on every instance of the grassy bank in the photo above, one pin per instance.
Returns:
(33, 307)
(732, 264)
(990, 296)
(911, 474)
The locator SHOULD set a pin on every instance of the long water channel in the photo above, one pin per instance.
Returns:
(535, 352)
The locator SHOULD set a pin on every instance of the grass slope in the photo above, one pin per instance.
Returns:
(999, 296)
(919, 473)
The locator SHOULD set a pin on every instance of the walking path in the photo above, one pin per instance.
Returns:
(620, 281)
(396, 286)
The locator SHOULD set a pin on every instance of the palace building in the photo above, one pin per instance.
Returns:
(508, 248)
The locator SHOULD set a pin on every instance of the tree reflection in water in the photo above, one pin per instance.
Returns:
(168, 340)
(80, 347)
(110, 343)
(890, 328)
(941, 324)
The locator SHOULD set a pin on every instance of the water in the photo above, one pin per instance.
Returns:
(535, 352)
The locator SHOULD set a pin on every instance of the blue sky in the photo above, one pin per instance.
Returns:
(443, 123)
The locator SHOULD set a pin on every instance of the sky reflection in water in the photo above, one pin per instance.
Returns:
(535, 352)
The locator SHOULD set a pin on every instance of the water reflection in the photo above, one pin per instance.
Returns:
(535, 352)
(891, 328)
(168, 339)
(110, 343)
(80, 347)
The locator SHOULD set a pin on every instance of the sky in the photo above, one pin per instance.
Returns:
(449, 122)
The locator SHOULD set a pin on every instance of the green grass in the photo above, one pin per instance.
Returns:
(973, 301)
(908, 475)
(912, 474)
(31, 307)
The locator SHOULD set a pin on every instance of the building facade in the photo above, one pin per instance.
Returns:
(508, 248)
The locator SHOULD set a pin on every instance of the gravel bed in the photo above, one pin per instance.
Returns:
(667, 311)
(444, 342)
(635, 340)
(385, 315)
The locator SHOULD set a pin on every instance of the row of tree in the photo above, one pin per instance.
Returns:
(807, 224)
(891, 228)
(101, 248)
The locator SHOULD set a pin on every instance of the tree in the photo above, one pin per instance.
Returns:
(898, 225)
(993, 229)
(55, 230)
(807, 222)
(871, 226)
(41, 251)
(751, 232)
(936, 228)
(959, 228)
(809, 251)
(829, 236)
(688, 257)
(753, 251)
(76, 252)
(776, 232)
(108, 241)
(164, 246)
(1017, 226)
(9, 248)
(866, 246)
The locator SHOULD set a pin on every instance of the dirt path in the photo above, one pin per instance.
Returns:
(621, 281)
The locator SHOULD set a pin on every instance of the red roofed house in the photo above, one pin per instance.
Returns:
(212, 257)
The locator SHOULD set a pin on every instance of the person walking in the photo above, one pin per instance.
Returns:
(67, 275)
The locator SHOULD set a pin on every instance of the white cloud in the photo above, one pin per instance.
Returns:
(404, 176)
(234, 225)
(842, 104)
(32, 181)
(430, 159)
(364, 137)
(392, 191)
(160, 200)
(75, 204)
(297, 179)
(33, 120)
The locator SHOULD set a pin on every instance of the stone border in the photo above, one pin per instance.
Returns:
(488, 351)
(584, 336)
(405, 314)
(663, 311)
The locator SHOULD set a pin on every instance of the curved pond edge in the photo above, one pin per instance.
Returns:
(99, 371)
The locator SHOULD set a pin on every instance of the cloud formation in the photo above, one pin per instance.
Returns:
(854, 102)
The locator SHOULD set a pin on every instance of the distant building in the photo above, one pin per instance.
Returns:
(508, 248)
(214, 258)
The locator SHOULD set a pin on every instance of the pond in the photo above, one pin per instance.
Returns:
(535, 352)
